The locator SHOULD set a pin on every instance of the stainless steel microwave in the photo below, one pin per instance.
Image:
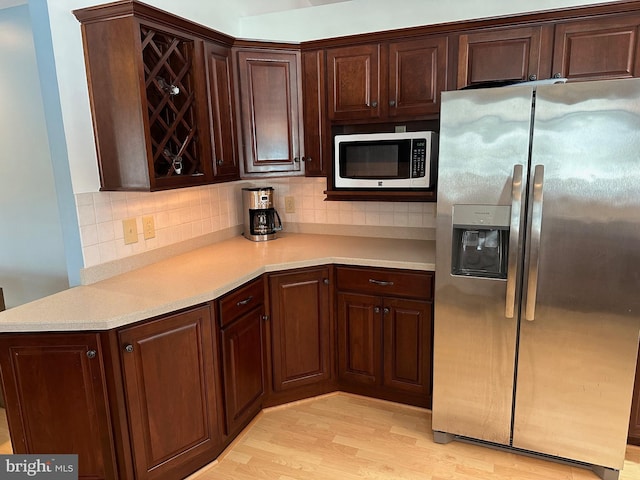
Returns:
(384, 160)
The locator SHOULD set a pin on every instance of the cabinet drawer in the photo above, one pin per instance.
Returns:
(241, 301)
(382, 281)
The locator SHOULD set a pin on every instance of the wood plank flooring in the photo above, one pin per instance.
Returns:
(346, 437)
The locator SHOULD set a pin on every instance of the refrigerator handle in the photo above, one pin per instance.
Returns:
(514, 236)
(536, 227)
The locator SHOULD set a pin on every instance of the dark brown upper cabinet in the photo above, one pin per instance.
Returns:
(417, 75)
(597, 49)
(317, 132)
(387, 80)
(522, 53)
(221, 97)
(270, 118)
(354, 82)
(148, 94)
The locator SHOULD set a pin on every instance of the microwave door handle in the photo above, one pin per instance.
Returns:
(534, 257)
(514, 237)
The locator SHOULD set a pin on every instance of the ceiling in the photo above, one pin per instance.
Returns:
(246, 7)
(258, 7)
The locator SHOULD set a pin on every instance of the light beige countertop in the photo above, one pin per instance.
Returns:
(202, 275)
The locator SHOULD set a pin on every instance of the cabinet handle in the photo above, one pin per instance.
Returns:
(385, 311)
(325, 281)
(219, 162)
(533, 77)
(245, 301)
(128, 348)
(382, 283)
(557, 75)
(392, 103)
(376, 310)
(91, 353)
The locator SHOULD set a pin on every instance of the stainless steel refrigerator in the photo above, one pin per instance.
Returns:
(537, 295)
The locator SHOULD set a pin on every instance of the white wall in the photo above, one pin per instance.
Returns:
(361, 16)
(32, 257)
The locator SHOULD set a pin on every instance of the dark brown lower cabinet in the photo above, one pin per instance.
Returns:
(242, 314)
(300, 328)
(56, 399)
(385, 341)
(161, 398)
(170, 393)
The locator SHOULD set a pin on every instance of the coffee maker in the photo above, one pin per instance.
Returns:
(261, 220)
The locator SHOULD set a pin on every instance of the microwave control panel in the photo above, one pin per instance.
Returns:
(418, 157)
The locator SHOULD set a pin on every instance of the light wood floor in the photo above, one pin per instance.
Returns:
(346, 437)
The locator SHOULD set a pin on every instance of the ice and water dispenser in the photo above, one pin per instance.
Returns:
(480, 240)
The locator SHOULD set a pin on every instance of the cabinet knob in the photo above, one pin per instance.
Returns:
(557, 75)
(128, 348)
(265, 318)
(296, 159)
(325, 281)
(533, 77)
(307, 159)
(376, 309)
(91, 353)
(392, 103)
(385, 311)
(219, 162)
(374, 104)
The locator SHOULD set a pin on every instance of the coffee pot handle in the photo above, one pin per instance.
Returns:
(279, 226)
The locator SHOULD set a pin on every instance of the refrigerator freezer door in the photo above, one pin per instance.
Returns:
(483, 136)
(577, 356)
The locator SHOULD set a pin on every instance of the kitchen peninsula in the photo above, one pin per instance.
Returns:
(209, 337)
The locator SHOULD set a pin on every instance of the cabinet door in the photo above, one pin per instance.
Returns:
(597, 49)
(242, 356)
(417, 75)
(407, 346)
(522, 53)
(300, 333)
(270, 115)
(316, 151)
(354, 82)
(168, 367)
(56, 400)
(359, 338)
(221, 113)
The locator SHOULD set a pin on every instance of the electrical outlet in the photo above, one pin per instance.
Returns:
(289, 204)
(148, 227)
(130, 229)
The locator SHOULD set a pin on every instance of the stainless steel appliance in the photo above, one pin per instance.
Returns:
(537, 311)
(401, 160)
(261, 219)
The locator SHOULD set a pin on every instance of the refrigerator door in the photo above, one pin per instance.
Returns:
(578, 343)
(484, 150)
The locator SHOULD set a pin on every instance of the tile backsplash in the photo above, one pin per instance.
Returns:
(187, 213)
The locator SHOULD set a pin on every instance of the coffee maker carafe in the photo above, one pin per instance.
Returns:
(261, 220)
